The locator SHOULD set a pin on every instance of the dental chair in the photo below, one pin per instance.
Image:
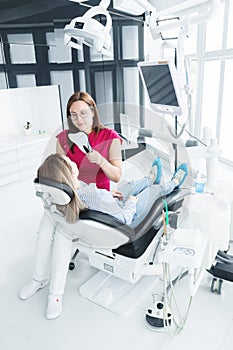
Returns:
(125, 256)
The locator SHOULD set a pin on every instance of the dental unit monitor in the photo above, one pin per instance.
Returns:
(162, 88)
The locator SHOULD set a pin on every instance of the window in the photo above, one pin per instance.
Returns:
(3, 81)
(225, 139)
(82, 81)
(230, 27)
(2, 60)
(65, 80)
(104, 82)
(193, 81)
(26, 80)
(212, 65)
(21, 48)
(58, 52)
(214, 31)
(210, 95)
(130, 42)
(131, 79)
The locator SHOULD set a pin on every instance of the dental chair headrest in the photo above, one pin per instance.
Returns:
(59, 193)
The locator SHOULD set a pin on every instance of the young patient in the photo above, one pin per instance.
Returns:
(129, 204)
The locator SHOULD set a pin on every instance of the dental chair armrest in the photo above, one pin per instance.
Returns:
(108, 220)
(98, 216)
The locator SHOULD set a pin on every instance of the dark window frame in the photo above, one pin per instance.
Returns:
(42, 68)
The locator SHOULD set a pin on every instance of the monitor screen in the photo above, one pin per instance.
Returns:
(160, 82)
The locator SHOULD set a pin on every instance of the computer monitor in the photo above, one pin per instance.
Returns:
(162, 87)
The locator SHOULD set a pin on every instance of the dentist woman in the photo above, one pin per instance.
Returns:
(104, 162)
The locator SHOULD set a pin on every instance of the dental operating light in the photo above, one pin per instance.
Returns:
(89, 31)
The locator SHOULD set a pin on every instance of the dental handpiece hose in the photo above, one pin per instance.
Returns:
(169, 231)
(168, 228)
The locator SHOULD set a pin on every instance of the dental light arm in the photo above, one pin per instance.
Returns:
(188, 12)
(138, 7)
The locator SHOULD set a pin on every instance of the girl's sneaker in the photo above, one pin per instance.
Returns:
(180, 174)
(156, 170)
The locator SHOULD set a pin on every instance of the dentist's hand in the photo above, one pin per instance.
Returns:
(96, 158)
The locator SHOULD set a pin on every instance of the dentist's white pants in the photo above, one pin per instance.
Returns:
(52, 256)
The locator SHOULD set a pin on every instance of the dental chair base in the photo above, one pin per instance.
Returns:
(122, 281)
(115, 294)
(125, 268)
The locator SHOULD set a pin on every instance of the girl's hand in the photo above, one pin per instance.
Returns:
(133, 199)
(117, 194)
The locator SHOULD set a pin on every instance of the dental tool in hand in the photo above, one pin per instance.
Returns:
(80, 139)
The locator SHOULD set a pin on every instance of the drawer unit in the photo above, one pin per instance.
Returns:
(8, 156)
(20, 160)
(32, 150)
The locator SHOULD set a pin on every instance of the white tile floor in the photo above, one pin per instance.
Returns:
(84, 325)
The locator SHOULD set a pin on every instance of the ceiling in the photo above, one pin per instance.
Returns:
(34, 11)
(29, 11)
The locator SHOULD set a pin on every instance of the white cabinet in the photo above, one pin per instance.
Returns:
(20, 157)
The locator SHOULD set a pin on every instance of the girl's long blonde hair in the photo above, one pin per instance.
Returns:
(57, 169)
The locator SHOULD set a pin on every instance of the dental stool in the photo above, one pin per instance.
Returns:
(125, 255)
(221, 270)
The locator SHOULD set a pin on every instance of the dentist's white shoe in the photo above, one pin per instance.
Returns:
(31, 288)
(54, 308)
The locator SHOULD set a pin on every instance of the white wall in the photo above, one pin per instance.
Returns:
(38, 105)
